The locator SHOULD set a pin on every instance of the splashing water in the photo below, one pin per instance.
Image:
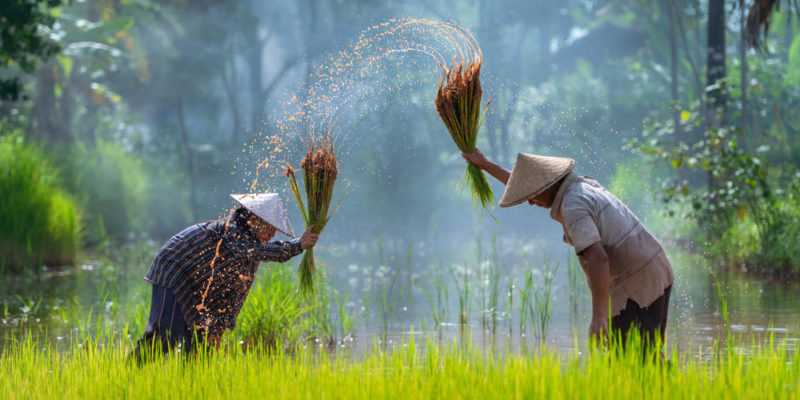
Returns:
(331, 100)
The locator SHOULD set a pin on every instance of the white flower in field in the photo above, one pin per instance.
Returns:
(352, 268)
(352, 281)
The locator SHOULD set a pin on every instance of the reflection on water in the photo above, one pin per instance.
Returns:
(395, 290)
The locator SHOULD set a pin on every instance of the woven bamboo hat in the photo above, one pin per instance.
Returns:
(532, 175)
(268, 207)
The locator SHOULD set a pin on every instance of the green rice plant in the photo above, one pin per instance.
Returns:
(510, 304)
(437, 301)
(39, 222)
(275, 312)
(96, 369)
(493, 281)
(489, 284)
(386, 303)
(574, 279)
(458, 103)
(319, 175)
(463, 291)
(723, 308)
(345, 319)
(543, 301)
(525, 301)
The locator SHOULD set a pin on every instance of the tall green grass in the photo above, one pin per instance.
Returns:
(410, 370)
(113, 187)
(277, 312)
(39, 222)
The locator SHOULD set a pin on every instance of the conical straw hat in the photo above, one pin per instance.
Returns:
(268, 207)
(532, 175)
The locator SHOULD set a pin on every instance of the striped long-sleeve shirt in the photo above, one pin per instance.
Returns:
(210, 268)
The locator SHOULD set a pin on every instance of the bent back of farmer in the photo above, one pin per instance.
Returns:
(202, 275)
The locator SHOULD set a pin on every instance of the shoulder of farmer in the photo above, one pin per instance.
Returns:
(181, 250)
(579, 219)
(192, 236)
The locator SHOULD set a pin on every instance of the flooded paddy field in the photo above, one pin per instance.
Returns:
(391, 291)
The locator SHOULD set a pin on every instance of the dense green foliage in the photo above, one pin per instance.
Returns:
(24, 39)
(39, 222)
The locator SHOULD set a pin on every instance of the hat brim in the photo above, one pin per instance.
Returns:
(532, 175)
(535, 193)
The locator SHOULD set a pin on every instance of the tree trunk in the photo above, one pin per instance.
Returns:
(256, 66)
(230, 85)
(44, 123)
(187, 148)
(715, 106)
(715, 62)
(673, 72)
(743, 64)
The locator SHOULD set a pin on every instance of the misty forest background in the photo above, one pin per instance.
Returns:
(125, 120)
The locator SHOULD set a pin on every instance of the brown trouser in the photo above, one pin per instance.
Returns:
(651, 321)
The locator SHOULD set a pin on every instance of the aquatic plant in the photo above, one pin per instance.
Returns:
(574, 275)
(543, 301)
(463, 291)
(40, 223)
(437, 295)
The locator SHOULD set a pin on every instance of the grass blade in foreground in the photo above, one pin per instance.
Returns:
(458, 102)
(319, 173)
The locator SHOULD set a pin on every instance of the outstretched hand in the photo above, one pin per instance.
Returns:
(308, 239)
(476, 157)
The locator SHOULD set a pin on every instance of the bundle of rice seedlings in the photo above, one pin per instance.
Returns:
(319, 173)
(458, 102)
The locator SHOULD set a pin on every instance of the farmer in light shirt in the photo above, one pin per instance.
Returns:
(627, 271)
(202, 275)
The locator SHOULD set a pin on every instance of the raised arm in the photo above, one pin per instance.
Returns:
(495, 170)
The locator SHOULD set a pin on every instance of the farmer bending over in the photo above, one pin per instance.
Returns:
(202, 275)
(622, 261)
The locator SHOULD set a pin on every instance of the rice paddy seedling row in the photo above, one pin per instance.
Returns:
(423, 370)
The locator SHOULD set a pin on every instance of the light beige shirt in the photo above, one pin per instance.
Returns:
(640, 270)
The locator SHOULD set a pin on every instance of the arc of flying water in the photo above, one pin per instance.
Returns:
(436, 27)
(458, 38)
(467, 35)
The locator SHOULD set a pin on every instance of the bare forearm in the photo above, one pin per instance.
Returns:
(596, 268)
(497, 171)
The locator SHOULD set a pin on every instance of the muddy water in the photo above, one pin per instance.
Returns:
(392, 292)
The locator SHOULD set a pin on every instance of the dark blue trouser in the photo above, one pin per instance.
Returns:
(165, 326)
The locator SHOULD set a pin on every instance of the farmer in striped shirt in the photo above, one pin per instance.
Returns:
(202, 275)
